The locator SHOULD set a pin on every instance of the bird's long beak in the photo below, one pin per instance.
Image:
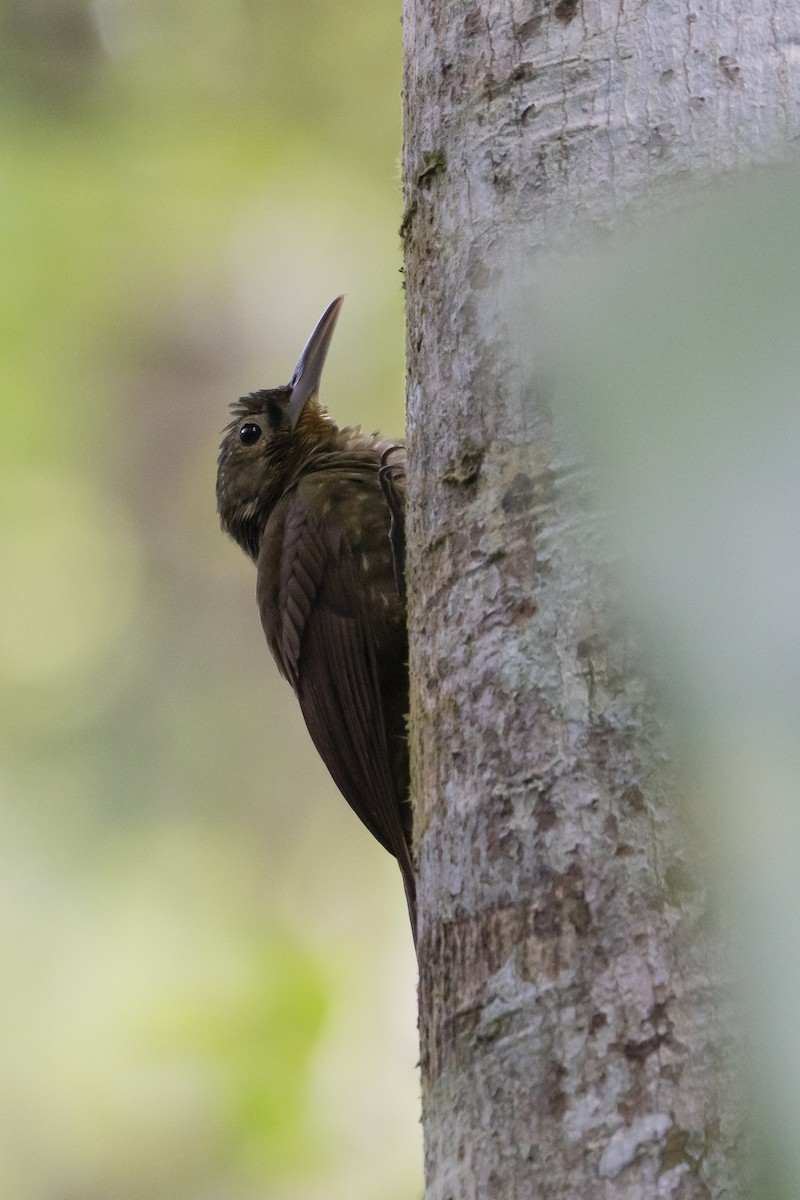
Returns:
(308, 372)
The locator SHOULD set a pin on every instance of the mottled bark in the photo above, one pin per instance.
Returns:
(569, 990)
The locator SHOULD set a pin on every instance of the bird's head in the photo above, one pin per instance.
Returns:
(271, 434)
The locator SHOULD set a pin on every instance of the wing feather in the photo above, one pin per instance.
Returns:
(312, 606)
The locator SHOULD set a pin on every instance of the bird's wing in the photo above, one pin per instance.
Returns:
(318, 628)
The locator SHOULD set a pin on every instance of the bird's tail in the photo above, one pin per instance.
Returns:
(410, 885)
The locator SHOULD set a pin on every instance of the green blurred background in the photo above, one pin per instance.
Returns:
(206, 976)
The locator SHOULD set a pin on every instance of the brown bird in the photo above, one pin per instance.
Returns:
(320, 509)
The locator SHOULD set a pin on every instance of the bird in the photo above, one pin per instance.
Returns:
(320, 511)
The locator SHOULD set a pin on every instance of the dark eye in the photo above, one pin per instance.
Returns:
(249, 433)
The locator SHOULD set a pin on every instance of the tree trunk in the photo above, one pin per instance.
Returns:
(569, 1019)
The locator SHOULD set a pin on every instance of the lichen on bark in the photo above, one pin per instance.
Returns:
(572, 1042)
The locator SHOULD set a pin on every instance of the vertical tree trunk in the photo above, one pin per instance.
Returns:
(570, 1034)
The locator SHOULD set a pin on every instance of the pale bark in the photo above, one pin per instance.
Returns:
(569, 1018)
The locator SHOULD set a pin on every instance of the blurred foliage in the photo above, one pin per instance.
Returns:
(207, 979)
(676, 354)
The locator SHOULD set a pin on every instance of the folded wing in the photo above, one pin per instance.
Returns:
(315, 586)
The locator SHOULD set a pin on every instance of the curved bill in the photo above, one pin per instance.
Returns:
(308, 372)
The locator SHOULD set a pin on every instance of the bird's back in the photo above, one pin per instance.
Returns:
(334, 619)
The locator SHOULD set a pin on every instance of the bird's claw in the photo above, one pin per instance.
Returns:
(388, 473)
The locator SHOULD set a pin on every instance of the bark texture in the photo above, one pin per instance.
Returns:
(569, 1014)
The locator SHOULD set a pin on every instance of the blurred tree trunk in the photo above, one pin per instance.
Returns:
(569, 1022)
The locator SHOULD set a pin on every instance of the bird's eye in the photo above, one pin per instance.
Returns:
(249, 433)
